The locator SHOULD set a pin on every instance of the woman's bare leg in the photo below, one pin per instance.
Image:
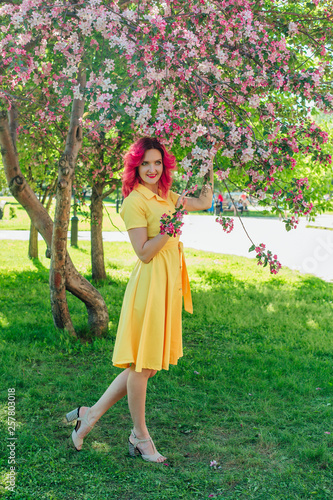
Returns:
(136, 393)
(116, 391)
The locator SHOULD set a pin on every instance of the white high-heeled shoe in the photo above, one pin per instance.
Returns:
(134, 451)
(75, 414)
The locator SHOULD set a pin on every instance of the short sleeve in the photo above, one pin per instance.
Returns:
(174, 197)
(133, 212)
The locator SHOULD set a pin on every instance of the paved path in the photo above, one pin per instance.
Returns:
(308, 250)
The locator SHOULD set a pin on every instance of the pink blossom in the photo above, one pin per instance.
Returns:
(226, 222)
(188, 82)
(247, 155)
(293, 28)
(222, 175)
(172, 224)
(265, 258)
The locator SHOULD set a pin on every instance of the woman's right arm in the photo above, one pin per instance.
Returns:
(146, 249)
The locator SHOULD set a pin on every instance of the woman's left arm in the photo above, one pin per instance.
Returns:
(205, 199)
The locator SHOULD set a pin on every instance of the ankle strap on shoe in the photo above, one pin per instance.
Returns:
(85, 419)
(139, 440)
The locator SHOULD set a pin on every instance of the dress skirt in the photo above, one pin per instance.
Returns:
(150, 330)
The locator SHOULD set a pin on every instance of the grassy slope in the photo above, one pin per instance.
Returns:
(253, 390)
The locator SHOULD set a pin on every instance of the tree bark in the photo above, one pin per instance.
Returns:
(96, 211)
(75, 283)
(96, 224)
(49, 202)
(62, 213)
(33, 242)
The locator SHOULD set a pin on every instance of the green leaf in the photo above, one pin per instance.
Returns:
(310, 5)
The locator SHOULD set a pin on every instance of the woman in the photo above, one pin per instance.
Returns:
(220, 201)
(149, 332)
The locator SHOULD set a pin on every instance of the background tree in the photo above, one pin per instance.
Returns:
(39, 151)
(3, 182)
(198, 73)
(75, 283)
(100, 163)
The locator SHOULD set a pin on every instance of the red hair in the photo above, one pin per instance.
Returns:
(133, 159)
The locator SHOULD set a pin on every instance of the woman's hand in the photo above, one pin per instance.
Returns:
(182, 200)
(205, 199)
(203, 202)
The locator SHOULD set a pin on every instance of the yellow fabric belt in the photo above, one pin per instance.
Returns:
(173, 243)
(188, 306)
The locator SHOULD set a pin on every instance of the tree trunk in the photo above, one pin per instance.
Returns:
(62, 213)
(33, 242)
(75, 283)
(49, 202)
(96, 224)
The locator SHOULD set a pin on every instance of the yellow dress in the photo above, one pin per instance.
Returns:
(150, 331)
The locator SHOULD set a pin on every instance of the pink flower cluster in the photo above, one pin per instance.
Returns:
(266, 257)
(172, 224)
(227, 223)
(223, 174)
(204, 102)
(291, 223)
(192, 190)
(303, 182)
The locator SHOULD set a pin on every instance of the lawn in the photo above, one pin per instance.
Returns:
(246, 413)
(111, 219)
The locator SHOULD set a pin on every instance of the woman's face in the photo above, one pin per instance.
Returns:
(150, 169)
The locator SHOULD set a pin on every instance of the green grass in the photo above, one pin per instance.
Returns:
(22, 221)
(253, 391)
(320, 227)
(111, 220)
(250, 213)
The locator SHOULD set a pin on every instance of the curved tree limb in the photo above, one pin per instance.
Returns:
(20, 189)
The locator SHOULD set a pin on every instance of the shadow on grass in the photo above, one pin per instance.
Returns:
(222, 302)
(81, 250)
(25, 313)
(38, 265)
(251, 392)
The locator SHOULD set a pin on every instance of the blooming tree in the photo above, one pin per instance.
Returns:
(99, 164)
(241, 74)
(39, 149)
